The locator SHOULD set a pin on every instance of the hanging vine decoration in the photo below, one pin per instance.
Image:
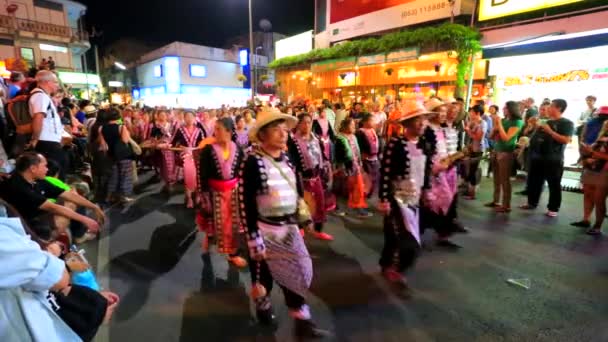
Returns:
(463, 40)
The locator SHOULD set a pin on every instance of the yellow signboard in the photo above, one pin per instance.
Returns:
(492, 9)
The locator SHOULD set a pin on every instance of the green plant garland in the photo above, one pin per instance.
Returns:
(464, 40)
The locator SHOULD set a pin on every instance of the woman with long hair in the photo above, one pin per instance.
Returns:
(101, 163)
(505, 133)
(305, 151)
(241, 135)
(187, 137)
(218, 185)
(349, 163)
(116, 136)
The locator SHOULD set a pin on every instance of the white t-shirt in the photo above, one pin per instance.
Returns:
(52, 128)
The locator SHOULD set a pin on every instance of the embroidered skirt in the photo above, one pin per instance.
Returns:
(221, 215)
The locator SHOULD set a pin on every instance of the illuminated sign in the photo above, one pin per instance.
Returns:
(492, 9)
(53, 48)
(115, 84)
(198, 70)
(295, 45)
(403, 55)
(244, 57)
(79, 78)
(172, 75)
(136, 94)
(354, 18)
(569, 76)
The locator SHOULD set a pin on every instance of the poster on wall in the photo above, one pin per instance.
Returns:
(353, 18)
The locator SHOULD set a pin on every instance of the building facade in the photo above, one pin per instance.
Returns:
(192, 76)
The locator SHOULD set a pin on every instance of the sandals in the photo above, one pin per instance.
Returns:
(581, 224)
(491, 205)
(502, 209)
(595, 231)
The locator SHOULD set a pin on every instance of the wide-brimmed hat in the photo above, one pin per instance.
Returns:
(603, 110)
(432, 105)
(412, 109)
(267, 117)
(90, 109)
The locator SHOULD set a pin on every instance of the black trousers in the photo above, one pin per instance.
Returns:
(471, 176)
(545, 170)
(292, 300)
(54, 151)
(400, 248)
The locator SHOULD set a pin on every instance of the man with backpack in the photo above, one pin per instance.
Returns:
(46, 122)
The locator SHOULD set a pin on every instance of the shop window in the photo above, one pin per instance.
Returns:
(158, 71)
(27, 54)
(197, 70)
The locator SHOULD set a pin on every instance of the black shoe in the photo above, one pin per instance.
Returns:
(307, 329)
(459, 228)
(581, 224)
(448, 244)
(266, 317)
(522, 193)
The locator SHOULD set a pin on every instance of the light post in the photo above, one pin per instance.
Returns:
(251, 52)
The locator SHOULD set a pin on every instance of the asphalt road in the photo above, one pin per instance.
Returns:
(170, 292)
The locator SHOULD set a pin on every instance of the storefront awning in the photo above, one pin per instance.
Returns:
(79, 78)
(551, 45)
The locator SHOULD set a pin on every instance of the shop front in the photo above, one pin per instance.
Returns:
(401, 74)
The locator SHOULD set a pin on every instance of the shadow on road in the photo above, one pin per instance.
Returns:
(219, 311)
(140, 268)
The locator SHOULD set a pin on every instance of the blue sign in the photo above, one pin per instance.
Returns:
(172, 75)
(197, 70)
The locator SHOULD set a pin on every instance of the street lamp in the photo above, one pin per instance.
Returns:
(251, 52)
(120, 66)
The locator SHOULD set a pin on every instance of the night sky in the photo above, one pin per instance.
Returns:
(205, 22)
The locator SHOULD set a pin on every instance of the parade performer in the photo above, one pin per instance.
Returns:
(439, 205)
(323, 129)
(163, 135)
(270, 189)
(188, 137)
(241, 135)
(370, 148)
(218, 185)
(404, 174)
(305, 151)
(348, 160)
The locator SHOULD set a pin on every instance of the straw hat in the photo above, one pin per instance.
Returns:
(432, 105)
(267, 117)
(90, 109)
(412, 109)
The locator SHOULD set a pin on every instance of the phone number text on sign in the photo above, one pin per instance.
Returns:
(424, 9)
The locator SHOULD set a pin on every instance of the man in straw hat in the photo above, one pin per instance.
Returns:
(269, 193)
(439, 205)
(403, 175)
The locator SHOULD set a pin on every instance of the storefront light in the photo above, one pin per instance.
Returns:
(53, 48)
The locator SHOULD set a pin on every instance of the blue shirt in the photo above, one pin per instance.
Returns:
(81, 116)
(26, 275)
(13, 91)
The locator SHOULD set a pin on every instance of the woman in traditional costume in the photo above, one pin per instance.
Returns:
(403, 176)
(305, 151)
(241, 135)
(188, 137)
(348, 163)
(163, 134)
(270, 190)
(439, 209)
(218, 185)
(370, 148)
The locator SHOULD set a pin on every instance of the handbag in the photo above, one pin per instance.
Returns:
(303, 212)
(135, 147)
(83, 310)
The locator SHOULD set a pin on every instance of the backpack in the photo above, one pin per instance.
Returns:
(19, 112)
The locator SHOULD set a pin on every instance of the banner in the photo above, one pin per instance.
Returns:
(371, 59)
(333, 64)
(403, 55)
(353, 18)
(492, 9)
